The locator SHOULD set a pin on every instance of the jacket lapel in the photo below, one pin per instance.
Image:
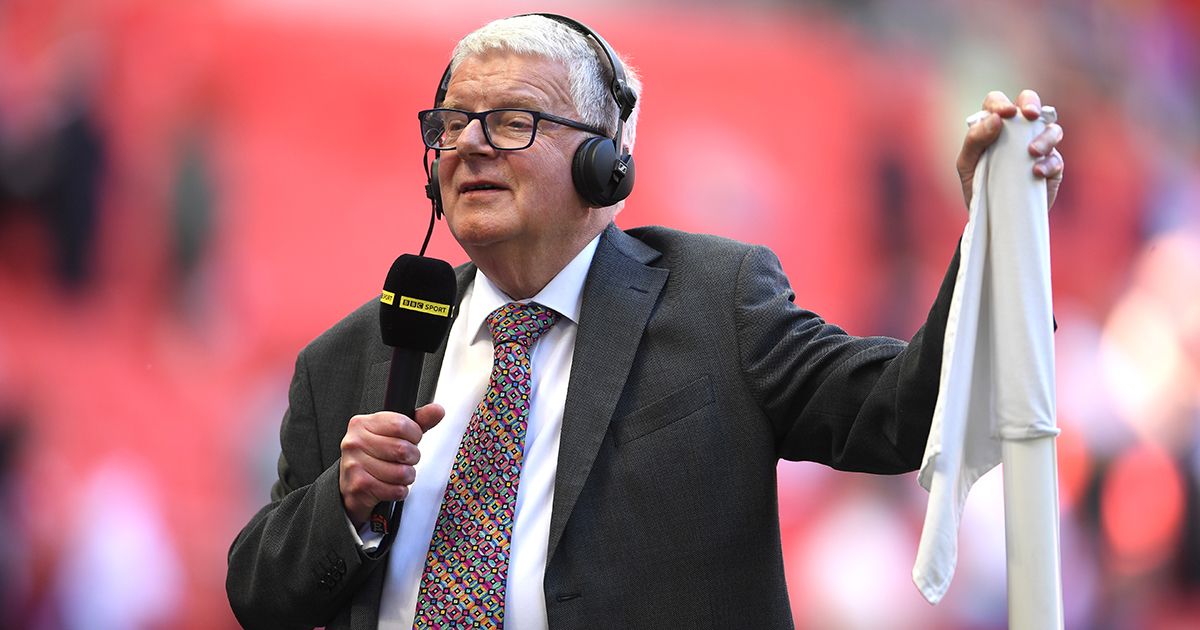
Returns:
(618, 299)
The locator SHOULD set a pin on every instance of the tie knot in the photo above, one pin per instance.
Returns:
(520, 323)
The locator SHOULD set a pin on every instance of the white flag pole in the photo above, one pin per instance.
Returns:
(1024, 387)
(996, 394)
(1031, 534)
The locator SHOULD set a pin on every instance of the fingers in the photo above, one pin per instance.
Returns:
(379, 452)
(1030, 104)
(361, 490)
(1048, 161)
(387, 424)
(384, 449)
(1050, 167)
(979, 137)
(429, 416)
(390, 473)
(1046, 141)
(997, 102)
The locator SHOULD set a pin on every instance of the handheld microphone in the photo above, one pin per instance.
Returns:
(414, 316)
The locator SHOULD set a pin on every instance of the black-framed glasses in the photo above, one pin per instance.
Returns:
(505, 129)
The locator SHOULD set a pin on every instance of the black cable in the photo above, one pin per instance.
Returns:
(432, 206)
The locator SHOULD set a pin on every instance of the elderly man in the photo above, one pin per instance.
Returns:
(638, 388)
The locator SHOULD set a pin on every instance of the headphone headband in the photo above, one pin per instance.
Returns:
(624, 95)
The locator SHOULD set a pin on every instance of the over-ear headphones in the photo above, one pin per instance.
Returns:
(602, 170)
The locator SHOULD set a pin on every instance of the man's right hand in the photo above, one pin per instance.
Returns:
(379, 453)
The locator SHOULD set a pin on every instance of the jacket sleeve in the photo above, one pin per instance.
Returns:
(853, 403)
(296, 563)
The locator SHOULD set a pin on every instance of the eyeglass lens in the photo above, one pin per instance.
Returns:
(504, 128)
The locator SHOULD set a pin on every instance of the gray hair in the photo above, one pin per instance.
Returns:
(590, 78)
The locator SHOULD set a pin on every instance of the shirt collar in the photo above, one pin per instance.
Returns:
(563, 294)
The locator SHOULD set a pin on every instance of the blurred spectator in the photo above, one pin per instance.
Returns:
(14, 555)
(119, 568)
(55, 174)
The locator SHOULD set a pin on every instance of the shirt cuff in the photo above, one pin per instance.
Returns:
(367, 540)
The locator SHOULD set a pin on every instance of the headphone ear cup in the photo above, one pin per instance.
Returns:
(433, 189)
(597, 175)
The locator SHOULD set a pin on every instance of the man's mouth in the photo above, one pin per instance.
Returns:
(479, 186)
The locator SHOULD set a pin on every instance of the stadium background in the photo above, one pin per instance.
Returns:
(190, 191)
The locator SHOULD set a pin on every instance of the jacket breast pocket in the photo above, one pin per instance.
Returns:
(671, 408)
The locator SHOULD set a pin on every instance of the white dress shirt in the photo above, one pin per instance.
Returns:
(461, 383)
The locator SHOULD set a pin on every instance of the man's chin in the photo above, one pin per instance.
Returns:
(479, 232)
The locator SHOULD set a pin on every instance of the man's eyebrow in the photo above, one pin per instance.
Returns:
(514, 102)
(523, 102)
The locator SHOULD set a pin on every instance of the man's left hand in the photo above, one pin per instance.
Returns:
(1048, 162)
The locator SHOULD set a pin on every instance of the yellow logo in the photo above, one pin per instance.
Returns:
(388, 297)
(421, 306)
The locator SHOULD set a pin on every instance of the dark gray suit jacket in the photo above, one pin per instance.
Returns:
(693, 374)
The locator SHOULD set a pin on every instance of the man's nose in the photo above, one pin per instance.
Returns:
(473, 140)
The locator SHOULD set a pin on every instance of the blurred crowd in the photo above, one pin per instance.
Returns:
(189, 192)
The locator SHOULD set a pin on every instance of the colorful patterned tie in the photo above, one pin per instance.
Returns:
(465, 571)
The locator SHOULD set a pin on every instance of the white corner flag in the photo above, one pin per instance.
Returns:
(996, 393)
